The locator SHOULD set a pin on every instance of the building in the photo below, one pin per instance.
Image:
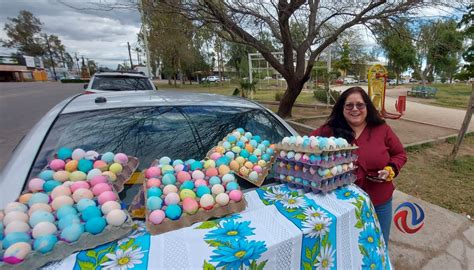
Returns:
(13, 68)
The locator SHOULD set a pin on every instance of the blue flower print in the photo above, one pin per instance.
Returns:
(369, 238)
(235, 253)
(345, 194)
(367, 215)
(230, 230)
(372, 261)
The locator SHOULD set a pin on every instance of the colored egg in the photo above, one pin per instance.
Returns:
(187, 193)
(197, 175)
(232, 186)
(71, 166)
(15, 207)
(187, 185)
(68, 220)
(257, 169)
(165, 161)
(77, 176)
(100, 165)
(253, 176)
(227, 145)
(214, 180)
(153, 182)
(78, 154)
(217, 189)
(170, 189)
(72, 232)
(60, 191)
(196, 165)
(228, 178)
(39, 207)
(95, 225)
(91, 212)
(156, 217)
(222, 199)
(178, 167)
(45, 243)
(200, 182)
(93, 173)
(84, 203)
(167, 169)
(173, 211)
(50, 185)
(40, 216)
(91, 155)
(46, 175)
(177, 161)
(109, 206)
(64, 153)
(65, 210)
(234, 165)
(183, 176)
(57, 164)
(244, 153)
(116, 217)
(61, 176)
(154, 191)
(15, 237)
(230, 155)
(240, 160)
(168, 179)
(236, 149)
(190, 206)
(249, 148)
(220, 150)
(121, 158)
(98, 180)
(244, 171)
(209, 164)
(82, 193)
(224, 169)
(110, 176)
(116, 168)
(38, 198)
(236, 195)
(154, 203)
(24, 198)
(100, 188)
(44, 228)
(61, 201)
(249, 165)
(224, 160)
(207, 201)
(108, 157)
(215, 156)
(107, 196)
(211, 172)
(16, 226)
(172, 198)
(36, 184)
(16, 253)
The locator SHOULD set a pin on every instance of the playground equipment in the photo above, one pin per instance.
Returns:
(377, 77)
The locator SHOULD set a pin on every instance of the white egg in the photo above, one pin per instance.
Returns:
(15, 206)
(285, 140)
(44, 228)
(116, 217)
(92, 173)
(17, 226)
(91, 155)
(222, 199)
(107, 207)
(299, 141)
(78, 154)
(15, 216)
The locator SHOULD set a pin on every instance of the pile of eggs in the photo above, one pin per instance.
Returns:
(315, 144)
(72, 196)
(175, 189)
(246, 154)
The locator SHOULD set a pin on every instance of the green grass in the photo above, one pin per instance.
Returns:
(453, 95)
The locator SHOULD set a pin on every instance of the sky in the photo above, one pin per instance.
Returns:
(85, 30)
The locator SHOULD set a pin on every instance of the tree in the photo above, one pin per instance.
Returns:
(24, 34)
(344, 62)
(321, 23)
(56, 51)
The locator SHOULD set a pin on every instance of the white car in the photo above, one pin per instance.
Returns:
(350, 80)
(119, 81)
(211, 79)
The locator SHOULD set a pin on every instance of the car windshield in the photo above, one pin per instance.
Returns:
(149, 133)
(121, 83)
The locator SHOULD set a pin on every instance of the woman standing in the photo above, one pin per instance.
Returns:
(380, 155)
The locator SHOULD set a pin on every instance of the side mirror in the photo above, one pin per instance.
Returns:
(85, 85)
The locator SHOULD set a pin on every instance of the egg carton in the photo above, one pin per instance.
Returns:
(307, 175)
(299, 148)
(126, 173)
(324, 186)
(187, 220)
(322, 163)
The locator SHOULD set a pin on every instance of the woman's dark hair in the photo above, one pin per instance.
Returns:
(338, 122)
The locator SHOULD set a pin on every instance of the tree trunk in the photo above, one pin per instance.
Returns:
(289, 97)
(464, 127)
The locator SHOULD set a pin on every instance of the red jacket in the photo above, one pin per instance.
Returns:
(378, 147)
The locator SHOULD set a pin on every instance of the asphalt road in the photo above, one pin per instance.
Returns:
(22, 105)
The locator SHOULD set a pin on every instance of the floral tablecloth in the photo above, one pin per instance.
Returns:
(281, 228)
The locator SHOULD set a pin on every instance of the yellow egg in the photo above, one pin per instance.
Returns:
(187, 193)
(71, 165)
(224, 169)
(249, 165)
(234, 165)
(240, 160)
(18, 250)
(110, 175)
(77, 176)
(116, 168)
(61, 176)
(219, 149)
(244, 171)
(24, 198)
(262, 163)
(209, 164)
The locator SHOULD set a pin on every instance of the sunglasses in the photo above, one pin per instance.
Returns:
(350, 106)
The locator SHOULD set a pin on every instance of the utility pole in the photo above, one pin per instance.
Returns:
(50, 56)
(130, 55)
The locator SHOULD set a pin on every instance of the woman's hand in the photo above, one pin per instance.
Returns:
(383, 174)
(387, 173)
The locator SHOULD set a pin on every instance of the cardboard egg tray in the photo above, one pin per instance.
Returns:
(187, 220)
(301, 149)
(324, 186)
(305, 173)
(351, 157)
(127, 172)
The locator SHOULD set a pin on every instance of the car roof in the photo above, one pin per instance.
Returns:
(153, 98)
(119, 73)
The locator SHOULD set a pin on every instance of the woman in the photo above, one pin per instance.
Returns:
(380, 154)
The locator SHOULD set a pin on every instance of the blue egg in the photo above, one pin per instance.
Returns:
(165, 161)
(108, 157)
(40, 216)
(95, 225)
(173, 211)
(187, 185)
(196, 165)
(240, 144)
(306, 142)
(230, 155)
(248, 135)
(266, 157)
(154, 192)
(1, 231)
(154, 203)
(84, 203)
(232, 186)
(231, 138)
(266, 143)
(201, 190)
(65, 210)
(68, 220)
(48, 186)
(64, 153)
(323, 143)
(226, 145)
(38, 197)
(270, 151)
(214, 180)
(91, 212)
(46, 175)
(244, 153)
(253, 143)
(189, 162)
(253, 158)
(15, 237)
(305, 182)
(224, 160)
(168, 179)
(45, 243)
(241, 131)
(85, 165)
(177, 161)
(262, 147)
(72, 232)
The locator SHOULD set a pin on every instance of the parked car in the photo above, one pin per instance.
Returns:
(147, 125)
(350, 80)
(211, 79)
(119, 81)
(392, 82)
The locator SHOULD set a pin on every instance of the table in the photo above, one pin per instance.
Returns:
(281, 228)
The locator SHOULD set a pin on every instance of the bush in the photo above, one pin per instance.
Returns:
(321, 95)
(279, 96)
(74, 81)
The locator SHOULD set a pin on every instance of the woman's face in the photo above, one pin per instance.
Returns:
(355, 110)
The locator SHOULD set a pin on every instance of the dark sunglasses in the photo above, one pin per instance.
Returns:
(350, 106)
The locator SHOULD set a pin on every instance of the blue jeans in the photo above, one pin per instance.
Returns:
(384, 213)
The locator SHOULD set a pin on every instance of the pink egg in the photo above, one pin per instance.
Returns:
(211, 172)
(200, 182)
(61, 201)
(107, 196)
(257, 168)
(183, 176)
(100, 188)
(36, 184)
(235, 195)
(215, 156)
(153, 172)
(178, 167)
(190, 206)
(153, 182)
(197, 174)
(61, 191)
(170, 189)
(82, 193)
(79, 184)
(39, 207)
(57, 164)
(172, 198)
(121, 158)
(98, 179)
(156, 216)
(101, 165)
